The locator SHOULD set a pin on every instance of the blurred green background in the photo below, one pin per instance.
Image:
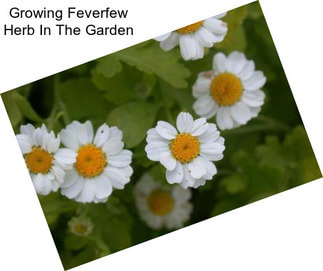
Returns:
(134, 88)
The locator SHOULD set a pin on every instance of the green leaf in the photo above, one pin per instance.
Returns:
(234, 183)
(55, 205)
(153, 60)
(235, 39)
(13, 111)
(108, 66)
(134, 119)
(83, 101)
(130, 84)
(25, 108)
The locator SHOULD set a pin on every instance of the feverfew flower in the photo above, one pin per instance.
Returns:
(39, 148)
(186, 152)
(192, 39)
(97, 162)
(162, 206)
(231, 91)
(81, 226)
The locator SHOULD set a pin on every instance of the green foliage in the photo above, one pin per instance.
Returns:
(134, 125)
(151, 59)
(133, 89)
(236, 37)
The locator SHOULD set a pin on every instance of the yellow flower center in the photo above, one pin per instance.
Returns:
(80, 229)
(90, 161)
(39, 160)
(160, 202)
(190, 28)
(185, 147)
(226, 89)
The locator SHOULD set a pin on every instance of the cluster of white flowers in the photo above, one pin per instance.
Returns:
(87, 166)
(86, 169)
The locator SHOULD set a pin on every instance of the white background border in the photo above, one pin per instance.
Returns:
(283, 232)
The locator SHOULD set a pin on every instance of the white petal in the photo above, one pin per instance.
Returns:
(116, 177)
(38, 181)
(58, 172)
(152, 136)
(170, 42)
(176, 175)
(38, 136)
(69, 140)
(88, 192)
(75, 189)
(85, 133)
(113, 146)
(197, 168)
(184, 122)
(210, 170)
(236, 62)
(25, 143)
(216, 26)
(241, 113)
(247, 71)
(211, 134)
(65, 156)
(101, 135)
(212, 148)
(53, 144)
(103, 187)
(47, 186)
(27, 129)
(115, 132)
(167, 160)
(166, 130)
(122, 159)
(201, 86)
(220, 62)
(253, 98)
(154, 149)
(71, 176)
(256, 81)
(199, 127)
(205, 106)
(181, 195)
(224, 119)
(205, 37)
(189, 47)
(163, 37)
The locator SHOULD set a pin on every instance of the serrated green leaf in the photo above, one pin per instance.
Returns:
(151, 59)
(134, 119)
(108, 66)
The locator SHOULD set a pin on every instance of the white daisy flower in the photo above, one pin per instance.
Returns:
(186, 152)
(231, 91)
(97, 162)
(81, 226)
(192, 39)
(162, 206)
(39, 148)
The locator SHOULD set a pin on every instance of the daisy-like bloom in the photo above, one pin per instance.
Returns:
(231, 91)
(162, 206)
(97, 162)
(81, 226)
(192, 39)
(40, 148)
(186, 152)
